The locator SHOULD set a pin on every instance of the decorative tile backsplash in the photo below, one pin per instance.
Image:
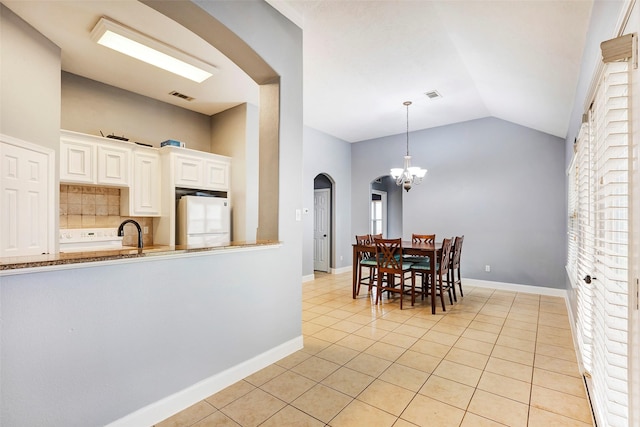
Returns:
(98, 207)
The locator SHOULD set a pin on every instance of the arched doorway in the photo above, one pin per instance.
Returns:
(322, 222)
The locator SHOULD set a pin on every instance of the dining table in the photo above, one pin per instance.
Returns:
(431, 250)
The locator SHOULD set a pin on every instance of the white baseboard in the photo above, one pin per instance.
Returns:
(541, 290)
(170, 405)
(341, 270)
(310, 277)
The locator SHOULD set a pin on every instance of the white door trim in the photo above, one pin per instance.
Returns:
(322, 238)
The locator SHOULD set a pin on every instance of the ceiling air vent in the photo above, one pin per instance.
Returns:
(433, 94)
(182, 95)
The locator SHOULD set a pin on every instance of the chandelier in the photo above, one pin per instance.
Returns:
(410, 174)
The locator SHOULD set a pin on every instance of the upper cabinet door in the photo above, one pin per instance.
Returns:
(188, 171)
(77, 161)
(216, 175)
(145, 188)
(88, 159)
(113, 165)
(198, 170)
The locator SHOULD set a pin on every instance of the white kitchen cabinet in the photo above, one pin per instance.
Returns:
(113, 164)
(188, 171)
(77, 161)
(197, 169)
(216, 175)
(27, 208)
(94, 160)
(143, 197)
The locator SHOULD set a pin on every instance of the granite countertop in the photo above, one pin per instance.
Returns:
(62, 258)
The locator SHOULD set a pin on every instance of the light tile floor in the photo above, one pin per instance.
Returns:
(494, 358)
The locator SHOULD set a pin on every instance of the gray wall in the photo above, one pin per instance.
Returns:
(234, 133)
(332, 157)
(30, 112)
(89, 107)
(89, 346)
(499, 184)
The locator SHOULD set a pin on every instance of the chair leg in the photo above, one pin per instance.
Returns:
(413, 288)
(440, 287)
(372, 274)
(452, 283)
(460, 282)
(425, 284)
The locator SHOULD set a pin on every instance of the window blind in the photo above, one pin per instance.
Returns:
(601, 235)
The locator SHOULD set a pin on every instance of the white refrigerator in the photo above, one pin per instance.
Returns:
(203, 221)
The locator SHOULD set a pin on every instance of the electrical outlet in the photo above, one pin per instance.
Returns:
(146, 230)
(487, 268)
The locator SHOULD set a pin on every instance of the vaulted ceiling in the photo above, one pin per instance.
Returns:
(517, 60)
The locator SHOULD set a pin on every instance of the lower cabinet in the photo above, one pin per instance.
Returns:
(143, 197)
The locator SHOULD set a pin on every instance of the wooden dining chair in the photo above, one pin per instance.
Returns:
(454, 266)
(442, 272)
(390, 267)
(421, 238)
(420, 267)
(366, 261)
(443, 279)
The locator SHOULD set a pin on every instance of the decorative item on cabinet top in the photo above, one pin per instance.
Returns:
(173, 143)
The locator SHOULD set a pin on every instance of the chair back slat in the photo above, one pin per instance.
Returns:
(389, 255)
(445, 258)
(364, 239)
(423, 238)
(457, 249)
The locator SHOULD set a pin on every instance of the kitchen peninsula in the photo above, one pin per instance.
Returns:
(34, 263)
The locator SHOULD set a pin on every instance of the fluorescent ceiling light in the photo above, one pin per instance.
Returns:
(137, 45)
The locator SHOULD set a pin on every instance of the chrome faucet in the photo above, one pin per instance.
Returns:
(121, 230)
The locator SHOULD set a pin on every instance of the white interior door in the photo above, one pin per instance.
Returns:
(25, 201)
(321, 234)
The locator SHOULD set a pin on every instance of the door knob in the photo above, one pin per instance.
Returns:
(324, 235)
(588, 279)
